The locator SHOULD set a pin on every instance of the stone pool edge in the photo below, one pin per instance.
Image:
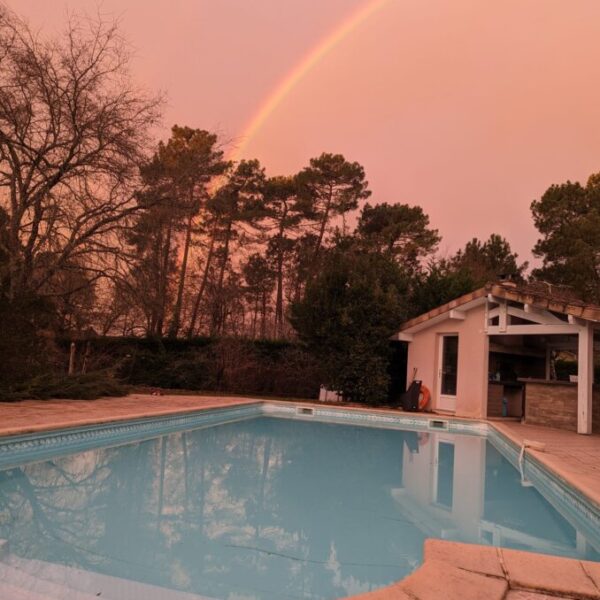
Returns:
(459, 571)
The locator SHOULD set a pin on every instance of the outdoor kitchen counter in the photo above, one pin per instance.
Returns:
(550, 403)
(505, 398)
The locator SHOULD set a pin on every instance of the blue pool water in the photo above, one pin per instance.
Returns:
(262, 509)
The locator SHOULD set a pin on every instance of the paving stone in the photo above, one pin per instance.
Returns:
(592, 569)
(437, 579)
(522, 595)
(480, 559)
(28, 416)
(10, 592)
(392, 592)
(543, 573)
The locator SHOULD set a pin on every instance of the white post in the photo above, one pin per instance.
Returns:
(585, 378)
(486, 386)
(503, 319)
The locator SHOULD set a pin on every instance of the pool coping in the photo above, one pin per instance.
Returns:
(208, 403)
(460, 571)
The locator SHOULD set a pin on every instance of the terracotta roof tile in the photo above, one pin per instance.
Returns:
(559, 299)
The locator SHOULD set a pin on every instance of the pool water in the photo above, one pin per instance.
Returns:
(261, 509)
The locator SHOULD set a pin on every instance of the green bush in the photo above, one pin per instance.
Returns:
(228, 365)
(26, 343)
(346, 318)
(87, 386)
(174, 371)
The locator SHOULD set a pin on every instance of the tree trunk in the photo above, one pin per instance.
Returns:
(263, 323)
(153, 311)
(200, 295)
(255, 318)
(72, 351)
(279, 296)
(164, 282)
(175, 322)
(324, 222)
(217, 310)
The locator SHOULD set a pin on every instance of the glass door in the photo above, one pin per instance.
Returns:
(443, 474)
(447, 372)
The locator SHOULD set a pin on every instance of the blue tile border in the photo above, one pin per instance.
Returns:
(342, 415)
(17, 450)
(561, 494)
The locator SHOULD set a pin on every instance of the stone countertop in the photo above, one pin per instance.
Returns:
(512, 383)
(527, 380)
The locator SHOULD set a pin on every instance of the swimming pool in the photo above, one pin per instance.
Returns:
(238, 505)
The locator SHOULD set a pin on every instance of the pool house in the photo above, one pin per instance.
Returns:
(520, 351)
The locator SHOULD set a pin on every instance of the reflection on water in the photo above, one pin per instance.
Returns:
(269, 508)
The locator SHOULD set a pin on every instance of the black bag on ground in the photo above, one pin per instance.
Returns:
(409, 401)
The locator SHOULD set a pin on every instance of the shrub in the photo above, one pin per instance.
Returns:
(87, 386)
(346, 318)
(229, 365)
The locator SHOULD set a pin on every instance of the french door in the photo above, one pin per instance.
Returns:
(447, 372)
(443, 473)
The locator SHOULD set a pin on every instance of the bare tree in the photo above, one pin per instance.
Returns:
(73, 129)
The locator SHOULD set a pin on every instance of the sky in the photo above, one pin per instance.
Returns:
(469, 109)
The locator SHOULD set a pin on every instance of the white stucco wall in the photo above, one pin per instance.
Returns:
(473, 350)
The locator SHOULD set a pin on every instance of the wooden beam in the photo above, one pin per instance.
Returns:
(565, 329)
(577, 321)
(458, 315)
(537, 315)
(516, 350)
(585, 379)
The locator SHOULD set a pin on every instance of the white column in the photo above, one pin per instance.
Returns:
(503, 317)
(483, 409)
(548, 362)
(585, 378)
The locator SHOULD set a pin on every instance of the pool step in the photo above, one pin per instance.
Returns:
(39, 580)
(16, 583)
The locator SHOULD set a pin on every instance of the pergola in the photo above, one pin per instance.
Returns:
(542, 309)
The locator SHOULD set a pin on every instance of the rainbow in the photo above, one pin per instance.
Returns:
(289, 82)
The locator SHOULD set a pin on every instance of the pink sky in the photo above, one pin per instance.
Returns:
(470, 109)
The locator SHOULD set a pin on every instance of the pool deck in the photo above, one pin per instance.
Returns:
(574, 457)
(450, 570)
(456, 571)
(33, 416)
